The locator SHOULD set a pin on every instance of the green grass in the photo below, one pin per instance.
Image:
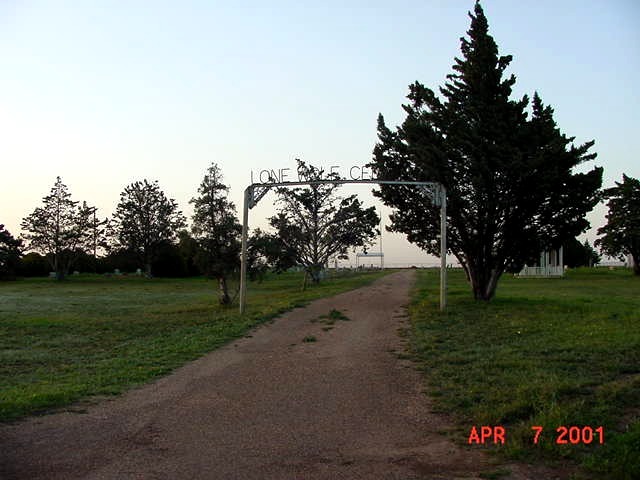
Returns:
(546, 352)
(331, 317)
(495, 474)
(91, 335)
(335, 315)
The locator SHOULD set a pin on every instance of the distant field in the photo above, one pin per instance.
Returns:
(545, 352)
(91, 335)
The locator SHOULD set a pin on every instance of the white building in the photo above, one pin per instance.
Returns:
(551, 265)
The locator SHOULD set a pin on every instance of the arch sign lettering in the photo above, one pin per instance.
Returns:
(280, 175)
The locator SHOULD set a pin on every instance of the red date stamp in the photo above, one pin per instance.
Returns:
(564, 435)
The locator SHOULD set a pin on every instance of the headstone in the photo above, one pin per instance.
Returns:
(76, 272)
(116, 271)
(52, 274)
(139, 272)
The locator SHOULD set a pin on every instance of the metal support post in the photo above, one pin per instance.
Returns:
(248, 194)
(443, 248)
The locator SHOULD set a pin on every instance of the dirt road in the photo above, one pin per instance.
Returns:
(269, 406)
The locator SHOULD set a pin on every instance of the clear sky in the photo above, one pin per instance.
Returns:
(104, 93)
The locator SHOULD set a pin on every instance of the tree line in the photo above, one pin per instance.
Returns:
(149, 232)
(516, 185)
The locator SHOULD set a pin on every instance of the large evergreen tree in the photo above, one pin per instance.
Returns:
(313, 224)
(61, 230)
(217, 230)
(621, 234)
(511, 189)
(145, 220)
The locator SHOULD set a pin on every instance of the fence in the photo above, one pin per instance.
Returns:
(548, 271)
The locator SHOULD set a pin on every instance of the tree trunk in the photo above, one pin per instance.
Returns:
(223, 291)
(57, 266)
(484, 283)
(147, 270)
(492, 283)
(61, 272)
(67, 264)
(636, 264)
(315, 273)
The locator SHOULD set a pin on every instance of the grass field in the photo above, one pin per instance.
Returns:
(91, 335)
(545, 352)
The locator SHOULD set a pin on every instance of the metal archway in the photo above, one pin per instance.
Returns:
(256, 191)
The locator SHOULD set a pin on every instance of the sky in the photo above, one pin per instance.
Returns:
(104, 93)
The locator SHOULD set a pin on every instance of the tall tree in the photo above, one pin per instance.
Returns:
(60, 229)
(592, 256)
(96, 233)
(265, 252)
(621, 234)
(10, 253)
(188, 248)
(144, 221)
(315, 224)
(511, 190)
(576, 254)
(217, 230)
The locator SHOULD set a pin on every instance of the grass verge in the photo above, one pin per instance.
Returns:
(544, 352)
(91, 335)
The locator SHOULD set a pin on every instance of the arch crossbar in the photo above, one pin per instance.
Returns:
(256, 191)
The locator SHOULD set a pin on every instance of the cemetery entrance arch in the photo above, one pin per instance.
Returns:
(256, 191)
